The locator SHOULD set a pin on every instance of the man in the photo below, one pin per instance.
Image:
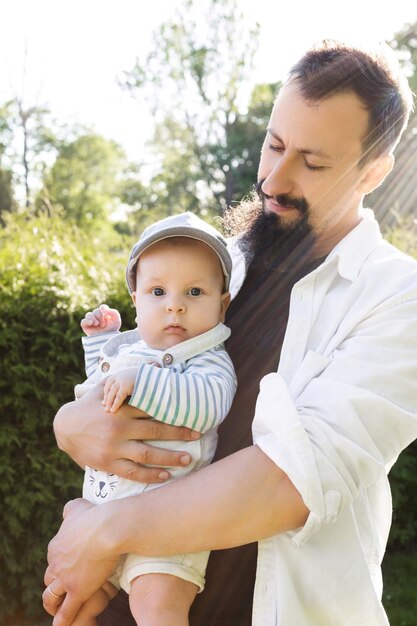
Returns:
(324, 299)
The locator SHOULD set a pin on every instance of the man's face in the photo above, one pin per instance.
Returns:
(309, 164)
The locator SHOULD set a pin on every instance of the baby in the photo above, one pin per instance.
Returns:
(175, 368)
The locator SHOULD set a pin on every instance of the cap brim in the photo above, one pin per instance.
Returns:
(180, 231)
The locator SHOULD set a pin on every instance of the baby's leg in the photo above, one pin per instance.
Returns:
(161, 600)
(95, 605)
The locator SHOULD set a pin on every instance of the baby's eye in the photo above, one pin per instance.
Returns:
(195, 291)
(158, 291)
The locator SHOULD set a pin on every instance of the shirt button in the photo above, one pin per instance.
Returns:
(167, 359)
(105, 366)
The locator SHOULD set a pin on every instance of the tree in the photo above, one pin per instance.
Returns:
(27, 139)
(84, 182)
(238, 161)
(7, 202)
(195, 81)
(405, 42)
(394, 201)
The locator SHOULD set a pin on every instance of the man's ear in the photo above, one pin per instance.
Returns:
(225, 301)
(133, 296)
(375, 172)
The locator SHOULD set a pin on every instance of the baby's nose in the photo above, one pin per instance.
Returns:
(175, 306)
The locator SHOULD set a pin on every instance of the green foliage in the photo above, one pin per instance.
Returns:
(7, 202)
(404, 235)
(27, 139)
(195, 81)
(403, 480)
(403, 476)
(5, 129)
(50, 274)
(238, 159)
(400, 583)
(405, 42)
(176, 187)
(83, 182)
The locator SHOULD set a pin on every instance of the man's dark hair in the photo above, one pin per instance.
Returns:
(332, 67)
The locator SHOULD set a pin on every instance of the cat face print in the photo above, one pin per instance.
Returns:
(103, 484)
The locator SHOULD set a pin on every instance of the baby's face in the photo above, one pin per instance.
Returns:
(179, 292)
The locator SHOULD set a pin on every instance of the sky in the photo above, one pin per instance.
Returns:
(76, 50)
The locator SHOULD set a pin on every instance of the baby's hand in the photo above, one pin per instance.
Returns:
(117, 387)
(101, 320)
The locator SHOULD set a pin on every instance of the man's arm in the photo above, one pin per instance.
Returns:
(240, 499)
(223, 503)
(113, 441)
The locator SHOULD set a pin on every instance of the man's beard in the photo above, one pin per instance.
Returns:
(268, 242)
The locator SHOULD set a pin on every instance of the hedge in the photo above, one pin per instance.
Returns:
(50, 274)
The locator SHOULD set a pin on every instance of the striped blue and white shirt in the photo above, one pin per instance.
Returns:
(194, 386)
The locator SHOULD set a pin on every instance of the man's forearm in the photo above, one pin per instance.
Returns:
(240, 499)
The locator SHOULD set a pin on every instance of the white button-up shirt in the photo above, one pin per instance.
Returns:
(335, 417)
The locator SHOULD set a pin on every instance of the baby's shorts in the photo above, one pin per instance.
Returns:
(191, 567)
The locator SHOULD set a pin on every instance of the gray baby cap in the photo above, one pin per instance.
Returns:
(180, 225)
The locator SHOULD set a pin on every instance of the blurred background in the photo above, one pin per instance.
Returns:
(112, 117)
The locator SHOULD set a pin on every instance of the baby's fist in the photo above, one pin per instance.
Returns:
(101, 320)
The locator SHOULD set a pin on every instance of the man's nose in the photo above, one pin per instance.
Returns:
(280, 180)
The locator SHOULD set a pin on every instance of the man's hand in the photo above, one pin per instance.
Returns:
(78, 562)
(114, 442)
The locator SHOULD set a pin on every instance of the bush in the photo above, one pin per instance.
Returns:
(403, 476)
(50, 274)
(403, 479)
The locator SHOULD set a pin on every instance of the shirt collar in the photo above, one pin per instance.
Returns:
(239, 265)
(352, 251)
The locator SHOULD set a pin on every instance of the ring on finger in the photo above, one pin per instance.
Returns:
(55, 595)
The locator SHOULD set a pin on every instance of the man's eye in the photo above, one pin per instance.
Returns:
(276, 148)
(314, 168)
(157, 291)
(194, 291)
